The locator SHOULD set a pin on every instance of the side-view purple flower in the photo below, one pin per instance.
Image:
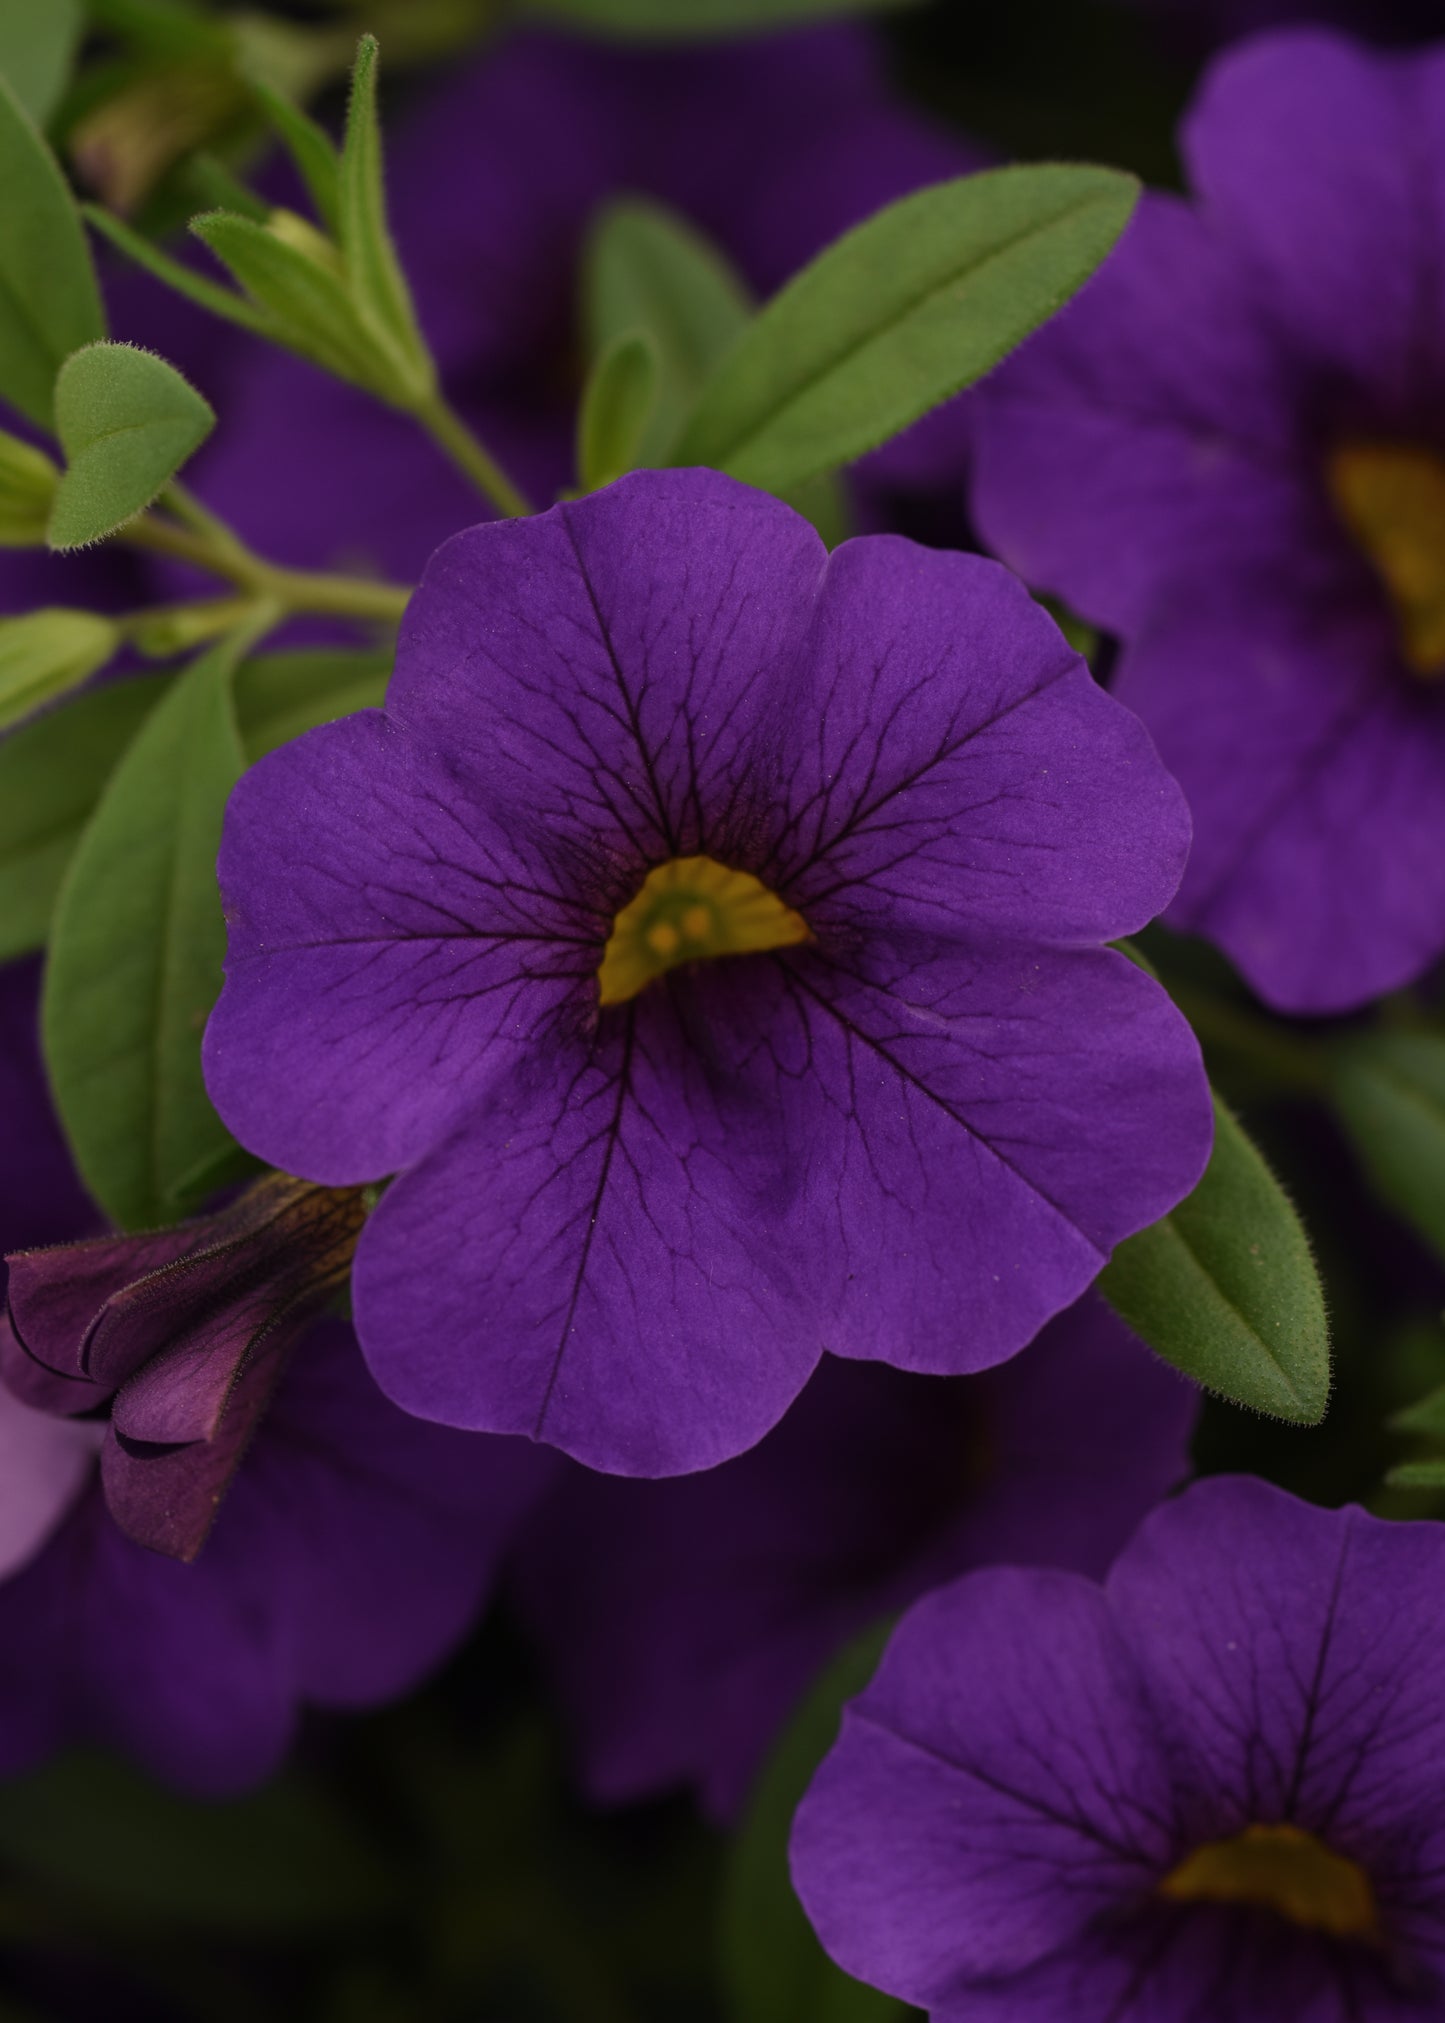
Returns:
(1210, 1787)
(472, 939)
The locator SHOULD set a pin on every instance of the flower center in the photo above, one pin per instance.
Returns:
(1280, 1868)
(1391, 497)
(689, 909)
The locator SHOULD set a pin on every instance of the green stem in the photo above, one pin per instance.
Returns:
(207, 544)
(447, 429)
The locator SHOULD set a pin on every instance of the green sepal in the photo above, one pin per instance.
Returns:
(27, 490)
(45, 653)
(773, 1968)
(49, 302)
(373, 272)
(52, 773)
(617, 405)
(137, 949)
(1389, 1093)
(1225, 1287)
(127, 422)
(900, 314)
(38, 41)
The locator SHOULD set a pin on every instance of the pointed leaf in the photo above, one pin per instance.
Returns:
(38, 41)
(309, 146)
(774, 1969)
(127, 422)
(1417, 1475)
(617, 404)
(899, 314)
(136, 953)
(1225, 1287)
(52, 773)
(49, 302)
(1426, 1415)
(47, 652)
(373, 271)
(1389, 1090)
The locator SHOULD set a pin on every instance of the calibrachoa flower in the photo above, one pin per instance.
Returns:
(353, 1552)
(681, 1621)
(1210, 1787)
(1231, 450)
(710, 927)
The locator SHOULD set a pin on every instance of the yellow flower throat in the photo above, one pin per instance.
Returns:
(1283, 1869)
(691, 909)
(1391, 497)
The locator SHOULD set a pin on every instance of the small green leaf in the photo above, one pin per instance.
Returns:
(373, 272)
(1389, 1091)
(1225, 1287)
(137, 949)
(38, 41)
(281, 695)
(52, 773)
(899, 314)
(684, 18)
(47, 652)
(127, 421)
(774, 1969)
(647, 269)
(1426, 1415)
(49, 302)
(1417, 1475)
(27, 491)
(616, 407)
(309, 146)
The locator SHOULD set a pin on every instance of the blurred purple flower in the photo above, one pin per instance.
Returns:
(1231, 450)
(906, 1119)
(1210, 1787)
(680, 1622)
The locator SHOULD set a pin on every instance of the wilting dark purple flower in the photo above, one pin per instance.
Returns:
(1210, 1787)
(469, 937)
(772, 146)
(1231, 450)
(353, 1552)
(680, 1621)
(182, 1334)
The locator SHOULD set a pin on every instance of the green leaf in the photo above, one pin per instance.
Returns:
(684, 18)
(27, 490)
(49, 302)
(373, 272)
(52, 773)
(47, 652)
(101, 1835)
(1225, 1287)
(1426, 1415)
(774, 1969)
(1389, 1091)
(898, 315)
(127, 421)
(309, 146)
(137, 949)
(1417, 1475)
(281, 695)
(38, 41)
(616, 407)
(207, 295)
(646, 269)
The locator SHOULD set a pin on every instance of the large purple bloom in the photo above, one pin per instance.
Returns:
(1211, 1787)
(353, 1552)
(1231, 449)
(681, 1621)
(643, 1193)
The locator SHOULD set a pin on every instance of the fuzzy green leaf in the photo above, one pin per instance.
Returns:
(309, 146)
(127, 422)
(774, 1969)
(899, 314)
(49, 302)
(1389, 1091)
(373, 272)
(1225, 1287)
(136, 953)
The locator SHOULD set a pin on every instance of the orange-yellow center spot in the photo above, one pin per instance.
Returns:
(1283, 1869)
(689, 910)
(1391, 497)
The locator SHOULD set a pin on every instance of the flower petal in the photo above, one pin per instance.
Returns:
(44, 1465)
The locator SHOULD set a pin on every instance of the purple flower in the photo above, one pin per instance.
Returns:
(905, 1119)
(352, 1554)
(681, 1621)
(181, 1334)
(1210, 1787)
(493, 185)
(1231, 450)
